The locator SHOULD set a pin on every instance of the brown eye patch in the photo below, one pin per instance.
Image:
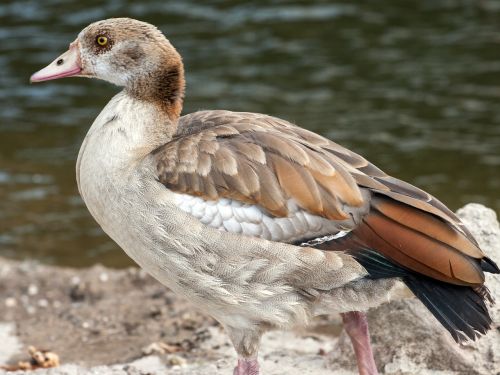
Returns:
(102, 42)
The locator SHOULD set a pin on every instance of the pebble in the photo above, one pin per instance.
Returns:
(104, 277)
(31, 310)
(43, 302)
(32, 290)
(176, 360)
(10, 302)
(4, 270)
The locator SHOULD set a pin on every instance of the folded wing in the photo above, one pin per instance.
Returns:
(267, 162)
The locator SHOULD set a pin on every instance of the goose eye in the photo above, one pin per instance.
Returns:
(102, 40)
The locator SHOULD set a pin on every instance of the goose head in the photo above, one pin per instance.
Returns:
(127, 53)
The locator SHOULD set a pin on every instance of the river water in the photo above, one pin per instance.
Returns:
(414, 86)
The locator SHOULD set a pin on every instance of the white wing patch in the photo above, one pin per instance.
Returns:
(237, 217)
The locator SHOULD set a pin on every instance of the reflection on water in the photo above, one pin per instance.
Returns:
(415, 88)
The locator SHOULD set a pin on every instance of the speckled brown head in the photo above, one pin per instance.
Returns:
(128, 53)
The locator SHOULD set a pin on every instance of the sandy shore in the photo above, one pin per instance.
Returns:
(104, 321)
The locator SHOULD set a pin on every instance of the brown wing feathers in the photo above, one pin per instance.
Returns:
(413, 228)
(256, 159)
(421, 242)
(266, 161)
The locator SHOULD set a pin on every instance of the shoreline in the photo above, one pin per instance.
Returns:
(106, 321)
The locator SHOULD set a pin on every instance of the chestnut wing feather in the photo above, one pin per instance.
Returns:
(266, 161)
(256, 159)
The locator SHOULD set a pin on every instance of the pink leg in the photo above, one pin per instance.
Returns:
(247, 366)
(356, 326)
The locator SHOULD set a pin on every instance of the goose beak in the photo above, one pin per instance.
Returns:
(67, 65)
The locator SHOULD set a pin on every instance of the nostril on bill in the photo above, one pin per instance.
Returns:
(60, 62)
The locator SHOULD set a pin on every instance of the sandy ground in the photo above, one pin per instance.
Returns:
(100, 316)
(103, 321)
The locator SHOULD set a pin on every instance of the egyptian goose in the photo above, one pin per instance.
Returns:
(260, 223)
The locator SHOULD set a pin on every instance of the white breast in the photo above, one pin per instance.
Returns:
(110, 178)
(251, 220)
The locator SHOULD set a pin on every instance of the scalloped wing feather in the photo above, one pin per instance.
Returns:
(264, 161)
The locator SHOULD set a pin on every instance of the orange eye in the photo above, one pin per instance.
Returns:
(102, 40)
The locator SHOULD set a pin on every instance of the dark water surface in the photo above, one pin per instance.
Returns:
(413, 86)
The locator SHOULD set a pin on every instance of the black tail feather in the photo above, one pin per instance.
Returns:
(487, 265)
(460, 309)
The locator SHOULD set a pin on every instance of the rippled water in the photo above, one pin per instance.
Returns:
(413, 86)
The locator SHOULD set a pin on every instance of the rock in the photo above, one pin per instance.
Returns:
(10, 344)
(407, 339)
(160, 348)
(176, 360)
